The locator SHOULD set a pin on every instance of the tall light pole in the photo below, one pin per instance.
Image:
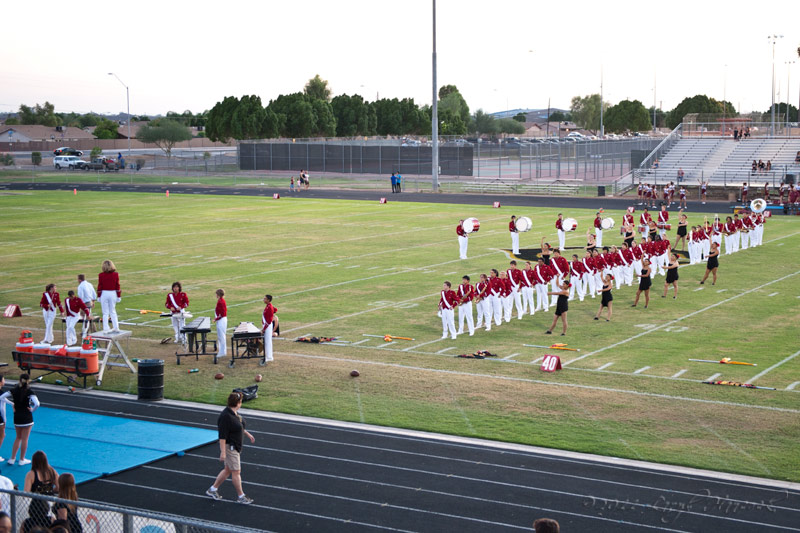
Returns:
(724, 99)
(128, 98)
(788, 87)
(654, 102)
(602, 128)
(774, 39)
(435, 115)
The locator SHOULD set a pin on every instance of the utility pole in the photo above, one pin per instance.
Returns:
(774, 39)
(435, 115)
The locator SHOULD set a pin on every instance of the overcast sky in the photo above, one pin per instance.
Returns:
(177, 55)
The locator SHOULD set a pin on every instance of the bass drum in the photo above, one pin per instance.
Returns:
(471, 225)
(569, 224)
(607, 223)
(523, 224)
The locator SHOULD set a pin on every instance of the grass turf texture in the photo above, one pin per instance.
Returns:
(340, 268)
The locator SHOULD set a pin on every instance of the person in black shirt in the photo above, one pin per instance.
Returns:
(562, 306)
(231, 429)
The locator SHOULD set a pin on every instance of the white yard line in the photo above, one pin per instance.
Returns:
(699, 289)
(644, 368)
(679, 373)
(359, 342)
(773, 367)
(713, 376)
(793, 385)
(773, 294)
(721, 290)
(447, 349)
(423, 344)
(605, 366)
(684, 317)
(537, 360)
(509, 356)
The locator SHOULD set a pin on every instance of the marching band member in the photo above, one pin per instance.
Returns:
(598, 230)
(512, 229)
(483, 304)
(496, 295)
(528, 305)
(760, 220)
(88, 296)
(49, 303)
(110, 294)
(515, 276)
(627, 218)
(638, 254)
(599, 270)
(562, 306)
(738, 235)
(672, 276)
(505, 296)
(562, 235)
(644, 284)
(693, 246)
(176, 303)
(542, 275)
(716, 231)
(665, 249)
(663, 218)
(616, 265)
(729, 229)
(462, 240)
(588, 274)
(221, 319)
(644, 222)
(74, 307)
(577, 271)
(560, 268)
(745, 231)
(626, 256)
(712, 264)
(705, 241)
(682, 197)
(465, 293)
(267, 324)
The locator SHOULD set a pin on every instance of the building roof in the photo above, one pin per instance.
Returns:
(46, 133)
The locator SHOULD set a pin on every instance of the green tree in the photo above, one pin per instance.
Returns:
(164, 133)
(296, 115)
(450, 123)
(36, 158)
(324, 118)
(586, 111)
(453, 101)
(446, 90)
(218, 125)
(247, 118)
(352, 115)
(627, 116)
(96, 152)
(699, 103)
(12, 121)
(106, 129)
(389, 116)
(87, 120)
(509, 125)
(780, 111)
(43, 115)
(521, 117)
(317, 88)
(558, 116)
(483, 123)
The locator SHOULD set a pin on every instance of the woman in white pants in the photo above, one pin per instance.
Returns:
(110, 294)
(49, 303)
(221, 318)
(176, 303)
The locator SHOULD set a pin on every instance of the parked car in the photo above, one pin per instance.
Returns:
(66, 150)
(106, 164)
(68, 161)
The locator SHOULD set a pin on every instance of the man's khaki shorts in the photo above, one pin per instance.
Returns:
(232, 460)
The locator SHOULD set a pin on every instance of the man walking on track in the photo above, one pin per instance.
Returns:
(512, 228)
(267, 319)
(230, 426)
(462, 240)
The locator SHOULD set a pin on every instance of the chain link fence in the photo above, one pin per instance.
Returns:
(29, 511)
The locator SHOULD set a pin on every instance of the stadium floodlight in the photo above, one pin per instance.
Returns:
(774, 38)
(128, 98)
(435, 115)
(788, 91)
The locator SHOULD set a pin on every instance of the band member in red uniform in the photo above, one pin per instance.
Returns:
(496, 296)
(747, 232)
(110, 294)
(739, 232)
(176, 303)
(541, 276)
(599, 269)
(506, 298)
(716, 231)
(745, 190)
(560, 268)
(627, 218)
(663, 220)
(483, 303)
(527, 289)
(267, 321)
(515, 277)
(588, 276)
(447, 303)
(644, 222)
(74, 307)
(512, 229)
(561, 294)
(49, 303)
(465, 293)
(598, 230)
(221, 318)
(577, 270)
(729, 230)
(626, 255)
(462, 240)
(561, 233)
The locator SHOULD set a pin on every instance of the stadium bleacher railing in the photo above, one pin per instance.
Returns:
(93, 516)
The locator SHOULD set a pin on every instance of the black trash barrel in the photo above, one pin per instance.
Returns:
(790, 179)
(151, 379)
(601, 190)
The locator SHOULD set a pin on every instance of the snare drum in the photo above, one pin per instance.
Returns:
(471, 225)
(523, 224)
(666, 226)
(569, 224)
(607, 223)
(643, 228)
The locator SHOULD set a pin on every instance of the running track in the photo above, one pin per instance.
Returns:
(314, 475)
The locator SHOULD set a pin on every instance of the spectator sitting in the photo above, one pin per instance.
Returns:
(797, 157)
(769, 165)
(64, 511)
(42, 478)
(546, 525)
(5, 522)
(38, 517)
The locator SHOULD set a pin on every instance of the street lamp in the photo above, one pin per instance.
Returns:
(788, 89)
(434, 114)
(128, 97)
(774, 39)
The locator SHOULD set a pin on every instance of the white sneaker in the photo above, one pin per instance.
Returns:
(24, 462)
(444, 336)
(453, 337)
(11, 461)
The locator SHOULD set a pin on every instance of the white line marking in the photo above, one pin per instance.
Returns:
(359, 342)
(679, 373)
(699, 289)
(721, 290)
(641, 370)
(736, 447)
(780, 244)
(675, 321)
(448, 273)
(773, 294)
(372, 268)
(423, 344)
(776, 365)
(793, 385)
(605, 366)
(279, 262)
(352, 266)
(537, 360)
(509, 356)
(387, 344)
(446, 349)
(542, 382)
(713, 376)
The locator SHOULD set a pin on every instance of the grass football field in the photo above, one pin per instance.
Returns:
(348, 269)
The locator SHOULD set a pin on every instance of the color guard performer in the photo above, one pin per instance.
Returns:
(712, 264)
(512, 229)
(465, 293)
(462, 240)
(267, 321)
(663, 220)
(515, 276)
(527, 289)
(49, 303)
(644, 284)
(672, 276)
(561, 294)
(447, 304)
(110, 294)
(606, 298)
(221, 319)
(598, 230)
(562, 235)
(483, 303)
(176, 303)
(560, 268)
(74, 307)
